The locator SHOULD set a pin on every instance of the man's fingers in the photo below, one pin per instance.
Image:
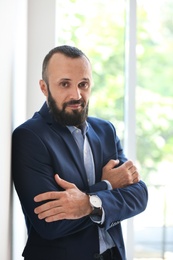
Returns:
(128, 164)
(111, 164)
(136, 177)
(64, 184)
(51, 195)
(57, 217)
(46, 206)
(133, 169)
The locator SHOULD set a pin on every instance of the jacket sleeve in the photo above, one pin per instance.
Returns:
(33, 174)
(124, 203)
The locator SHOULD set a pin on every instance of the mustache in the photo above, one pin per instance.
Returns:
(74, 102)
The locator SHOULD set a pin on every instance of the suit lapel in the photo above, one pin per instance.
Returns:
(96, 150)
(72, 149)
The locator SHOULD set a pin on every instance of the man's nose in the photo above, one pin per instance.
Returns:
(76, 93)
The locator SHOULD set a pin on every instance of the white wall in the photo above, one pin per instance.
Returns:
(35, 36)
(19, 112)
(41, 38)
(6, 49)
(27, 34)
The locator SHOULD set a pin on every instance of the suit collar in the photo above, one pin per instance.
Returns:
(45, 113)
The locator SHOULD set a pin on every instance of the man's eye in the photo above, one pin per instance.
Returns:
(84, 85)
(64, 84)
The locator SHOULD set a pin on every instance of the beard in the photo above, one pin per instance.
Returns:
(75, 118)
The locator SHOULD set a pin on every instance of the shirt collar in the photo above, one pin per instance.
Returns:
(84, 128)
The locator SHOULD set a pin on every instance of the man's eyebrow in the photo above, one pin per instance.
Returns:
(65, 79)
(87, 79)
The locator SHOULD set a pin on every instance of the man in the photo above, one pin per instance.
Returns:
(72, 178)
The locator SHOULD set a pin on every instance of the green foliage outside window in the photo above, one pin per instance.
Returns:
(99, 30)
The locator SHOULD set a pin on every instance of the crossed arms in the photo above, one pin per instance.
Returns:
(57, 208)
(73, 203)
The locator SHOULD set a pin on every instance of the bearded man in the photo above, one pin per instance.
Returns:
(73, 180)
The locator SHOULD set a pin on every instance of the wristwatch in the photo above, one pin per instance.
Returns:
(96, 204)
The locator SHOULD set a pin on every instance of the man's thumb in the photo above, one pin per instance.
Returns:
(64, 184)
(112, 163)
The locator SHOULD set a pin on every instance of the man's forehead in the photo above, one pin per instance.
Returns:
(60, 57)
(64, 63)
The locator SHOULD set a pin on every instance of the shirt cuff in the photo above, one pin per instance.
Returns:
(109, 186)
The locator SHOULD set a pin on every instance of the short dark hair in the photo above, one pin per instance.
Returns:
(67, 50)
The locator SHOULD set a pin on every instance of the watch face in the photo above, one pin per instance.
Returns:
(95, 201)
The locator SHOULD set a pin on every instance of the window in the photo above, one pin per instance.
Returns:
(154, 228)
(98, 28)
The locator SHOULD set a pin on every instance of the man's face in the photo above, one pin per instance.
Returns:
(69, 87)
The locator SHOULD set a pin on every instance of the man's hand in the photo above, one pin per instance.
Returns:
(68, 204)
(122, 176)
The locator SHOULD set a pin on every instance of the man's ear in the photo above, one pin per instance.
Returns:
(43, 87)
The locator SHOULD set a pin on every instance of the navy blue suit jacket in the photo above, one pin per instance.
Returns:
(40, 148)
